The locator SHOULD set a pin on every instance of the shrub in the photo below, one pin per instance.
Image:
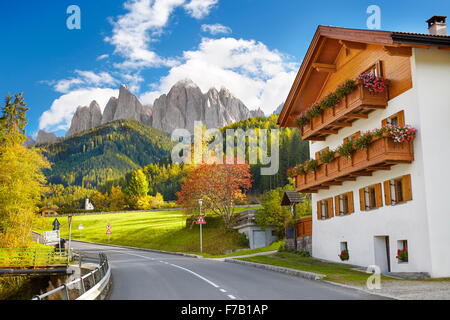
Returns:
(344, 255)
(314, 111)
(363, 142)
(329, 101)
(311, 165)
(401, 133)
(346, 149)
(346, 88)
(302, 120)
(326, 156)
(242, 240)
(373, 83)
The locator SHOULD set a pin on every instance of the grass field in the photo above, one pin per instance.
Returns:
(162, 230)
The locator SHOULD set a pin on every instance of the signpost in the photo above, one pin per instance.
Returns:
(70, 238)
(108, 231)
(51, 237)
(201, 221)
(56, 224)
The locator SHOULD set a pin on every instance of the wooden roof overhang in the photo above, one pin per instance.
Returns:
(322, 54)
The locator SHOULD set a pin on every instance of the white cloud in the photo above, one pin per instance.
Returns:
(102, 57)
(215, 28)
(260, 77)
(199, 9)
(60, 114)
(84, 78)
(135, 30)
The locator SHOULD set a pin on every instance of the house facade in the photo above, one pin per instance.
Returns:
(382, 196)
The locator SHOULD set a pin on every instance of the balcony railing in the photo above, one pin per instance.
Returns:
(356, 105)
(381, 154)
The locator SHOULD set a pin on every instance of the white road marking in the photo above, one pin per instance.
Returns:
(176, 266)
(196, 274)
(231, 297)
(223, 290)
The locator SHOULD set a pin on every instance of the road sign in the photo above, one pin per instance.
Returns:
(108, 229)
(200, 220)
(56, 224)
(51, 237)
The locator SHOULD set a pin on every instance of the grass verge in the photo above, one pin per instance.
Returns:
(161, 230)
(334, 272)
(272, 247)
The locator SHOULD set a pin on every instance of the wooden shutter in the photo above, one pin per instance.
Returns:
(330, 207)
(384, 122)
(401, 118)
(362, 199)
(378, 196)
(387, 192)
(351, 206)
(356, 135)
(317, 155)
(337, 206)
(406, 187)
(319, 210)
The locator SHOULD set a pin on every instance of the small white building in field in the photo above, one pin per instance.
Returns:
(377, 196)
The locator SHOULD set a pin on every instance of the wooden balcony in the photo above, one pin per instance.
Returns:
(381, 155)
(356, 105)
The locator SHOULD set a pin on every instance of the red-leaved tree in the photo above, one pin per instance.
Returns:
(219, 185)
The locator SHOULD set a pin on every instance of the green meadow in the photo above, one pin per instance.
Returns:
(162, 230)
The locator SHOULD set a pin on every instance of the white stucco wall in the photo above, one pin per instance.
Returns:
(432, 83)
(406, 221)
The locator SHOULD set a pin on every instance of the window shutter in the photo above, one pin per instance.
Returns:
(387, 192)
(384, 122)
(378, 196)
(401, 118)
(317, 155)
(337, 206)
(351, 207)
(319, 210)
(362, 199)
(330, 207)
(406, 187)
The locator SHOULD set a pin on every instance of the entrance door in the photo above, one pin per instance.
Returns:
(382, 255)
(259, 239)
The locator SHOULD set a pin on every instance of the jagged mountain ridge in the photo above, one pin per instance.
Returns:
(179, 108)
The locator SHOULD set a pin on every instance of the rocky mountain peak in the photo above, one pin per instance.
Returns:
(45, 137)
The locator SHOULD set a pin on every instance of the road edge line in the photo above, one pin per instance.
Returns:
(190, 255)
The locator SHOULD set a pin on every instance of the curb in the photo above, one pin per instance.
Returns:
(289, 271)
(362, 290)
(143, 249)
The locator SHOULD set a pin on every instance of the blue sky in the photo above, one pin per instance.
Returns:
(252, 47)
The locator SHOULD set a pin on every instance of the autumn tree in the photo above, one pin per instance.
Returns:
(137, 184)
(219, 185)
(21, 179)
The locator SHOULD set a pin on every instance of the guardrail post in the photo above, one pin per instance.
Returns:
(82, 287)
(65, 292)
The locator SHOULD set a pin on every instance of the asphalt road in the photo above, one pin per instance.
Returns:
(142, 275)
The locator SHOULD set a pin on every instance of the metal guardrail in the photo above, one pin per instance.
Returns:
(78, 287)
(32, 258)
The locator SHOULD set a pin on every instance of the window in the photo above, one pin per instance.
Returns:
(370, 197)
(325, 209)
(344, 246)
(397, 190)
(376, 69)
(402, 251)
(397, 119)
(343, 204)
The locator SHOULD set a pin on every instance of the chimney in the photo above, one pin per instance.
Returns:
(437, 25)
